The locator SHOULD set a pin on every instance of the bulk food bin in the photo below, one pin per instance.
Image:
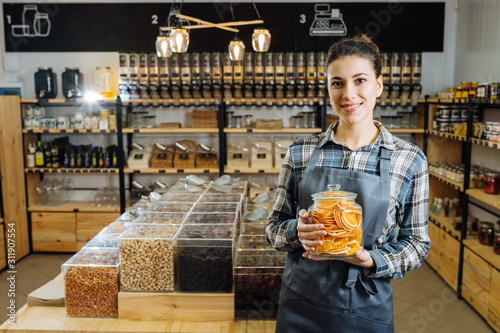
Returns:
(212, 218)
(91, 282)
(258, 274)
(116, 227)
(148, 257)
(223, 197)
(156, 217)
(104, 239)
(205, 258)
(172, 207)
(180, 196)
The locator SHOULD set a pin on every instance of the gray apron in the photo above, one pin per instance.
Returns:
(334, 296)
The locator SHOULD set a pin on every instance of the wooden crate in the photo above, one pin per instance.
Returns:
(176, 306)
(449, 256)
(476, 277)
(494, 300)
(433, 257)
(53, 232)
(90, 224)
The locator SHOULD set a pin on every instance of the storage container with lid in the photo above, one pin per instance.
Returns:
(229, 197)
(205, 258)
(206, 156)
(258, 274)
(211, 218)
(154, 217)
(341, 216)
(173, 196)
(485, 233)
(72, 83)
(238, 156)
(262, 155)
(91, 283)
(280, 150)
(491, 182)
(45, 83)
(104, 239)
(148, 257)
(171, 207)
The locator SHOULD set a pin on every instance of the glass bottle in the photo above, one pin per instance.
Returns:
(39, 155)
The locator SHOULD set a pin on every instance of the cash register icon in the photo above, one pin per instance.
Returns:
(327, 22)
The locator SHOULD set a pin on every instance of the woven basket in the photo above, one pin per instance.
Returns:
(269, 123)
(204, 119)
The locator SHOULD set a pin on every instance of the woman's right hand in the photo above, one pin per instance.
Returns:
(308, 231)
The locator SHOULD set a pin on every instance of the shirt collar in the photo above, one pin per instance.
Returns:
(385, 139)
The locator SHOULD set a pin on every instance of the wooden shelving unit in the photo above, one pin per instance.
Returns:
(71, 170)
(171, 170)
(252, 170)
(448, 135)
(485, 252)
(157, 130)
(445, 223)
(491, 199)
(69, 131)
(406, 130)
(74, 206)
(486, 143)
(275, 131)
(455, 185)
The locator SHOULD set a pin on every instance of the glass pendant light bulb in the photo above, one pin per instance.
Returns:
(163, 46)
(236, 50)
(179, 40)
(261, 40)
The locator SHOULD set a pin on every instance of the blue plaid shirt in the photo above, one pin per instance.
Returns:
(404, 242)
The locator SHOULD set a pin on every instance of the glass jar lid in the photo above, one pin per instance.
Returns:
(334, 193)
(486, 225)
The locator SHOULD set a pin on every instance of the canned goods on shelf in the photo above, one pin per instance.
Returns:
(494, 90)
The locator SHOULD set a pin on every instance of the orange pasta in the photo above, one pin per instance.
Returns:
(342, 222)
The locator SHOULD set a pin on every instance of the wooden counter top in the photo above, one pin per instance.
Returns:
(54, 319)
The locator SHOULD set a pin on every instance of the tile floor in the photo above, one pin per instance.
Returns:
(423, 302)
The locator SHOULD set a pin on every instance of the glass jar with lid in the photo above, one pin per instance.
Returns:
(486, 233)
(45, 83)
(341, 216)
(103, 82)
(72, 83)
(491, 182)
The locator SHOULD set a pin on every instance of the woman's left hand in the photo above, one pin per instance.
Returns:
(361, 258)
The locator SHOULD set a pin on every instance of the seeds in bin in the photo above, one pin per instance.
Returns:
(342, 222)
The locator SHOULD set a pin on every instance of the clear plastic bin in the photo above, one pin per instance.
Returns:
(205, 258)
(148, 257)
(180, 196)
(106, 239)
(211, 197)
(116, 227)
(171, 207)
(211, 218)
(154, 217)
(226, 207)
(91, 283)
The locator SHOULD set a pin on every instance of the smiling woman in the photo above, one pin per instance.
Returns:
(389, 176)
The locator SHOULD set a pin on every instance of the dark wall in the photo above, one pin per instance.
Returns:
(134, 27)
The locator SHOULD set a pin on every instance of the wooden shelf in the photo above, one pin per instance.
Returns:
(75, 170)
(252, 170)
(54, 319)
(490, 199)
(486, 143)
(74, 206)
(69, 131)
(448, 135)
(407, 130)
(1, 220)
(66, 102)
(171, 170)
(483, 101)
(485, 252)
(170, 130)
(445, 223)
(455, 185)
(231, 101)
(277, 130)
(173, 102)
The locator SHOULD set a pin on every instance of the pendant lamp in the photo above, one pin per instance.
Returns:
(236, 49)
(261, 40)
(179, 40)
(163, 45)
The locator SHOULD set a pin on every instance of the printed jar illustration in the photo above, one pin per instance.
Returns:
(341, 217)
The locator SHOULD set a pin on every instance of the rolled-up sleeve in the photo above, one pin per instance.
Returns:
(281, 229)
(394, 258)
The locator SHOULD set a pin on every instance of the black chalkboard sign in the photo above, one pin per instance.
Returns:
(295, 27)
